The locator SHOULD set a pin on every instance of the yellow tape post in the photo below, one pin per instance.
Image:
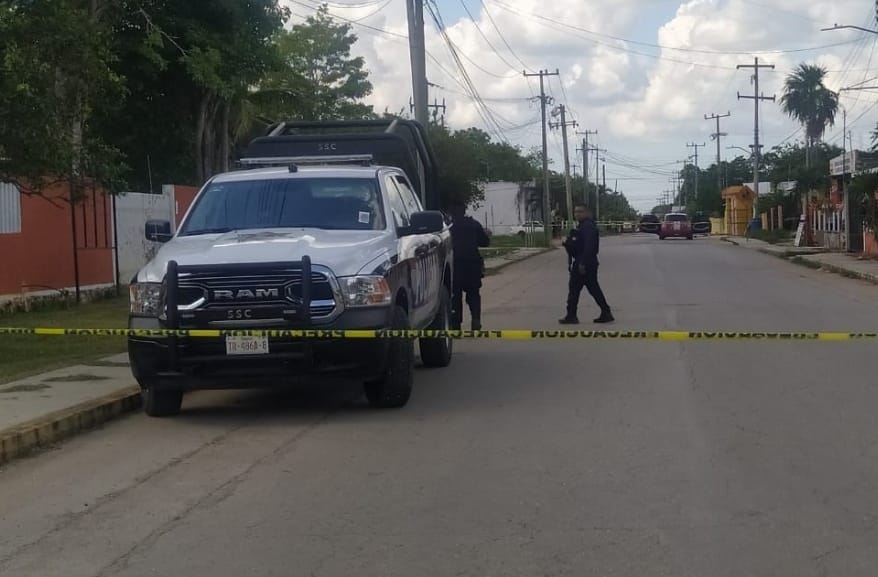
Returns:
(512, 335)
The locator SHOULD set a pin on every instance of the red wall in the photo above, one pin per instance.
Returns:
(183, 195)
(41, 255)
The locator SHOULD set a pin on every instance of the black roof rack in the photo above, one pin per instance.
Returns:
(393, 142)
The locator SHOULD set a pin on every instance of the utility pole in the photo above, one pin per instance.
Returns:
(757, 98)
(718, 137)
(561, 111)
(418, 55)
(597, 178)
(696, 147)
(544, 101)
(597, 207)
(585, 149)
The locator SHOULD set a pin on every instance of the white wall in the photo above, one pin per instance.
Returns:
(500, 209)
(133, 209)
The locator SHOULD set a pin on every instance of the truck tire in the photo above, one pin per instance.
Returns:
(161, 403)
(437, 352)
(393, 388)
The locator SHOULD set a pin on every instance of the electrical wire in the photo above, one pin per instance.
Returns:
(484, 37)
(502, 37)
(663, 47)
(482, 109)
(352, 6)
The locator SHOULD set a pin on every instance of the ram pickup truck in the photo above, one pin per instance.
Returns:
(314, 233)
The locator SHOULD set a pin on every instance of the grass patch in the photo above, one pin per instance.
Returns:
(494, 252)
(773, 236)
(24, 355)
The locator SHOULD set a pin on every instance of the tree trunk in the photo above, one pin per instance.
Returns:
(224, 137)
(200, 124)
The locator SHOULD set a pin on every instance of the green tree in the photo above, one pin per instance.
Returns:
(810, 102)
(188, 68)
(316, 77)
(55, 83)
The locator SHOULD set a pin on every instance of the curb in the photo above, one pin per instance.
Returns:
(847, 272)
(496, 269)
(22, 439)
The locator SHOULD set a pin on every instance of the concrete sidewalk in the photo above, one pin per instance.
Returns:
(44, 409)
(845, 264)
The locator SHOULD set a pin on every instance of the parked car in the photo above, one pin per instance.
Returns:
(649, 223)
(339, 242)
(701, 224)
(676, 225)
(529, 227)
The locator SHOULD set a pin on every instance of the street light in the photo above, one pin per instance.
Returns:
(739, 148)
(844, 26)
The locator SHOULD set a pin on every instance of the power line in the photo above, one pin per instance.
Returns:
(481, 107)
(675, 48)
(502, 37)
(485, 38)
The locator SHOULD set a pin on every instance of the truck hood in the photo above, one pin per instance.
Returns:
(344, 252)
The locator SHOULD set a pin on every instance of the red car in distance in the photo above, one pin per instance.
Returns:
(676, 225)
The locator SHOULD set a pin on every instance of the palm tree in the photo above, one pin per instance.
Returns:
(810, 102)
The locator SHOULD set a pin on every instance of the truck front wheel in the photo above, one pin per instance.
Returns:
(393, 388)
(158, 403)
(437, 352)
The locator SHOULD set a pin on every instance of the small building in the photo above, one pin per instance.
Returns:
(738, 201)
(507, 205)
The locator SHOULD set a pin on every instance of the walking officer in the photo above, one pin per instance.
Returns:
(582, 246)
(467, 235)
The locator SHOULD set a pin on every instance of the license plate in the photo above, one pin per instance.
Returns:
(246, 345)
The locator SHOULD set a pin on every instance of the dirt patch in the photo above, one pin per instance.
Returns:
(75, 379)
(24, 389)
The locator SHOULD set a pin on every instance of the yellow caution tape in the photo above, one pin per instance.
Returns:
(514, 335)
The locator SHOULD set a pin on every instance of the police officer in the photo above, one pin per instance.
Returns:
(582, 246)
(467, 235)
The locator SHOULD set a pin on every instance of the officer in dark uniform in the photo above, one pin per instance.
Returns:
(467, 235)
(582, 246)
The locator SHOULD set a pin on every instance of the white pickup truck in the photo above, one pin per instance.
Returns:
(529, 227)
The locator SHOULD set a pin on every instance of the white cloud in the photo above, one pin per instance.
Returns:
(644, 107)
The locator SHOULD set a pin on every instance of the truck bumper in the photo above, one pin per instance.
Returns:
(202, 363)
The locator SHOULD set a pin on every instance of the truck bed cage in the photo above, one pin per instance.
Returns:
(392, 142)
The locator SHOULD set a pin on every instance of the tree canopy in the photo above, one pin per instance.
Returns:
(136, 93)
(810, 102)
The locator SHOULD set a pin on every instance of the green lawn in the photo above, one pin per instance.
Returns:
(24, 355)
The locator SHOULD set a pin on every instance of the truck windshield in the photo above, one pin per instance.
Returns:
(676, 218)
(327, 203)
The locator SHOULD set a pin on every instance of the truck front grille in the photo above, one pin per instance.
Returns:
(207, 290)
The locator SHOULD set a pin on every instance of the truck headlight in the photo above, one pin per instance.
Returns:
(145, 299)
(365, 291)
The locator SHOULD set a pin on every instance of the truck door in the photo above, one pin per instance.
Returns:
(427, 265)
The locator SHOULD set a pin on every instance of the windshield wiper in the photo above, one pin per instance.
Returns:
(215, 230)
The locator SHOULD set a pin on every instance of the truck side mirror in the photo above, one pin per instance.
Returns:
(425, 222)
(158, 231)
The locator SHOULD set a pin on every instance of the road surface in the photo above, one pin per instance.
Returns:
(522, 459)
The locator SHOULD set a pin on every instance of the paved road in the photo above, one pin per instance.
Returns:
(522, 459)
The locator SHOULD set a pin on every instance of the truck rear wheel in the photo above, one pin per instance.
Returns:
(437, 352)
(394, 387)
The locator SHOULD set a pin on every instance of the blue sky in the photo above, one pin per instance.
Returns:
(646, 108)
